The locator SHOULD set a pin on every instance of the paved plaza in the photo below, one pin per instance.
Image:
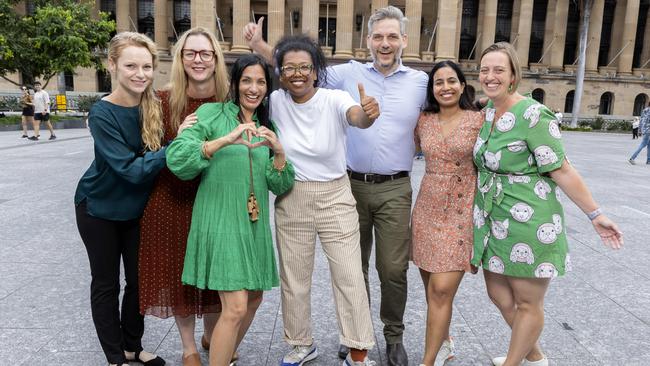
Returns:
(599, 314)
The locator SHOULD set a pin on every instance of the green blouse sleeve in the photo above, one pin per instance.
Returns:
(184, 156)
(279, 182)
(544, 139)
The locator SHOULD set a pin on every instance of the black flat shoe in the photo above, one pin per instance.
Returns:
(153, 362)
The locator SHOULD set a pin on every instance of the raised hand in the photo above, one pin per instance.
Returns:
(270, 139)
(253, 32)
(608, 231)
(236, 135)
(368, 103)
(188, 122)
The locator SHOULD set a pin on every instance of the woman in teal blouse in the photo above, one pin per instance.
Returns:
(110, 198)
(230, 247)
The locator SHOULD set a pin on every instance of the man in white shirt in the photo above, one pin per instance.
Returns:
(41, 111)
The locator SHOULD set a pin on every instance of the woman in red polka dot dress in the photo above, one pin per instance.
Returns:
(198, 76)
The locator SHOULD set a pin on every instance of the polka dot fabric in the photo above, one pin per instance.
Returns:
(163, 239)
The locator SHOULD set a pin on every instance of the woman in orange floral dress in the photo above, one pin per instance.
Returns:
(442, 217)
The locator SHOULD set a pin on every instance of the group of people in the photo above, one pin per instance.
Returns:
(178, 192)
(36, 108)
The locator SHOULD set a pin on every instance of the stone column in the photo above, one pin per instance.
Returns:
(615, 39)
(160, 24)
(241, 16)
(310, 12)
(489, 24)
(559, 35)
(204, 15)
(275, 24)
(414, 14)
(629, 37)
(344, 14)
(523, 31)
(445, 46)
(122, 11)
(376, 4)
(549, 32)
(593, 38)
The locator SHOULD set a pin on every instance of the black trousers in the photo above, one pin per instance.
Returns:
(635, 133)
(107, 242)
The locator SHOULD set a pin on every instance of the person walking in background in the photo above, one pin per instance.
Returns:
(198, 76)
(230, 246)
(635, 127)
(379, 160)
(41, 112)
(644, 129)
(27, 103)
(442, 216)
(519, 229)
(127, 130)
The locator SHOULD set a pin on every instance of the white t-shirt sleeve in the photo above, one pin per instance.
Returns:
(344, 103)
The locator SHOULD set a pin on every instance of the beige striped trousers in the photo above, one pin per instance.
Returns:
(326, 209)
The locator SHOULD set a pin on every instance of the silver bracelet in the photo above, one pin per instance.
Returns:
(595, 213)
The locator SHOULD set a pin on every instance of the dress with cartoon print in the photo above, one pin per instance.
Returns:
(518, 218)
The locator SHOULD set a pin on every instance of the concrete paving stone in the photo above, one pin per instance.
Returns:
(44, 280)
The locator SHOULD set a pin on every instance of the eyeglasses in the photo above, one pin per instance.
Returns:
(204, 55)
(291, 70)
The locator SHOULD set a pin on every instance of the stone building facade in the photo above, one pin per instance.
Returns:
(544, 32)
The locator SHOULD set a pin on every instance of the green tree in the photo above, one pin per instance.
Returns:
(58, 37)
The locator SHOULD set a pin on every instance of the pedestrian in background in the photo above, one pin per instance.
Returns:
(127, 130)
(635, 127)
(519, 228)
(198, 76)
(644, 129)
(27, 103)
(41, 112)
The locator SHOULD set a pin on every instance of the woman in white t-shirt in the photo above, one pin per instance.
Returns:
(312, 124)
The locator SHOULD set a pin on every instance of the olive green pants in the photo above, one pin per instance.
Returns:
(386, 208)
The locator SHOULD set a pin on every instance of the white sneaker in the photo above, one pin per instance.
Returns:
(366, 362)
(299, 355)
(447, 352)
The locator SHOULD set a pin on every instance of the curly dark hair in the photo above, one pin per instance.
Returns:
(431, 105)
(303, 43)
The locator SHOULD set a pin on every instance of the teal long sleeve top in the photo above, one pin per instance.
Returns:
(117, 184)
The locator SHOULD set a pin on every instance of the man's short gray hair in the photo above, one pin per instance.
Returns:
(389, 12)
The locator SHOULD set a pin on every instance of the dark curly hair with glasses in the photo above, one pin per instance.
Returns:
(302, 43)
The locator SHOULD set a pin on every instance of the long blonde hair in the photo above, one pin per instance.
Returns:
(178, 81)
(150, 114)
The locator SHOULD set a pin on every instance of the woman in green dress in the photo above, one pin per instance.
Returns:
(230, 247)
(519, 232)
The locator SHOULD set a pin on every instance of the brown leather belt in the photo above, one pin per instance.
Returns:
(376, 178)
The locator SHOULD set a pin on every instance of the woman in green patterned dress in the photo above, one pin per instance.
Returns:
(230, 248)
(519, 233)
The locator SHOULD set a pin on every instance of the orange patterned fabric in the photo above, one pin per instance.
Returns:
(442, 216)
(165, 226)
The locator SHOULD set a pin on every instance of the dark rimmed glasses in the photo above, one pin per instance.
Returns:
(290, 70)
(190, 55)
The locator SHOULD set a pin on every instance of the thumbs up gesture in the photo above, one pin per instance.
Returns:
(253, 32)
(368, 103)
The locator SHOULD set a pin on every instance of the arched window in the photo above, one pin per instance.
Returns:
(538, 95)
(568, 101)
(640, 102)
(606, 103)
